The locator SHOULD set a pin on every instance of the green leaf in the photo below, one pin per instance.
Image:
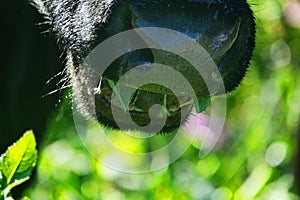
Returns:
(17, 163)
(201, 104)
(2, 184)
(117, 92)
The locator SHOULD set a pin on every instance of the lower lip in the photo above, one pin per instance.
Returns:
(141, 118)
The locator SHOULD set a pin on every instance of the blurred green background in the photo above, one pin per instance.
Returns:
(256, 159)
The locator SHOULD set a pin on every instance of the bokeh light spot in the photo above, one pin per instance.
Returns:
(222, 194)
(271, 10)
(292, 13)
(276, 153)
(280, 54)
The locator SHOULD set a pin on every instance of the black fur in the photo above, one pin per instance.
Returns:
(82, 24)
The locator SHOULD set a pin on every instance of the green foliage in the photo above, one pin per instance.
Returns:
(201, 104)
(17, 163)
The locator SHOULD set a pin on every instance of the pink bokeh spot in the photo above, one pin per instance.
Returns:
(198, 128)
(292, 13)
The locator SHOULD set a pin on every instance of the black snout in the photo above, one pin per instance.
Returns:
(225, 29)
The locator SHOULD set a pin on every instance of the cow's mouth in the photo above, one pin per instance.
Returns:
(226, 32)
(139, 105)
